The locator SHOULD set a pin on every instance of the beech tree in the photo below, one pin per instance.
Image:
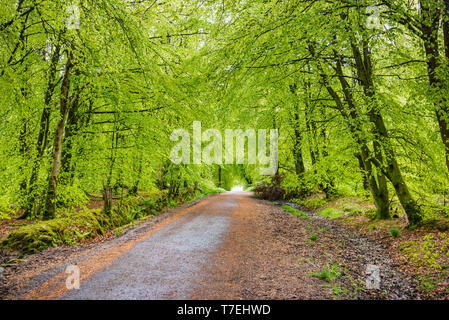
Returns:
(91, 91)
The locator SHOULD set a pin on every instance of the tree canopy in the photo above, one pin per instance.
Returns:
(92, 89)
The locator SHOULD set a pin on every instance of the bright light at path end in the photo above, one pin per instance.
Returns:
(237, 188)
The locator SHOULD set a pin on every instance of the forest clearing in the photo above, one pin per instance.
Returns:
(232, 149)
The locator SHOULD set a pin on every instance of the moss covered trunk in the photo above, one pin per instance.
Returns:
(50, 199)
(42, 137)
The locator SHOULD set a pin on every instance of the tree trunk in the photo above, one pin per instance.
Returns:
(313, 138)
(384, 212)
(24, 151)
(380, 196)
(446, 30)
(107, 198)
(135, 186)
(297, 143)
(50, 199)
(42, 138)
(427, 28)
(391, 170)
(299, 161)
(430, 30)
(363, 172)
(107, 189)
(378, 187)
(71, 131)
(408, 203)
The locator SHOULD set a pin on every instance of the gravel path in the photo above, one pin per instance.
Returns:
(165, 265)
(227, 246)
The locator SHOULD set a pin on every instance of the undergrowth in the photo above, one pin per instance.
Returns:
(295, 212)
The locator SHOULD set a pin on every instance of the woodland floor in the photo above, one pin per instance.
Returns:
(226, 246)
(13, 223)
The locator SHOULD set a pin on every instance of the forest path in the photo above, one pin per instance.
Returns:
(167, 264)
(226, 246)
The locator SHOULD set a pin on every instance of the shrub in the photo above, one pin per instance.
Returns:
(395, 232)
(441, 224)
(5, 210)
(353, 209)
(331, 272)
(313, 237)
(297, 187)
(70, 196)
(298, 213)
(270, 190)
(371, 214)
(430, 251)
(330, 213)
(313, 203)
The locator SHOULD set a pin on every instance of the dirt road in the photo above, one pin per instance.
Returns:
(227, 246)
